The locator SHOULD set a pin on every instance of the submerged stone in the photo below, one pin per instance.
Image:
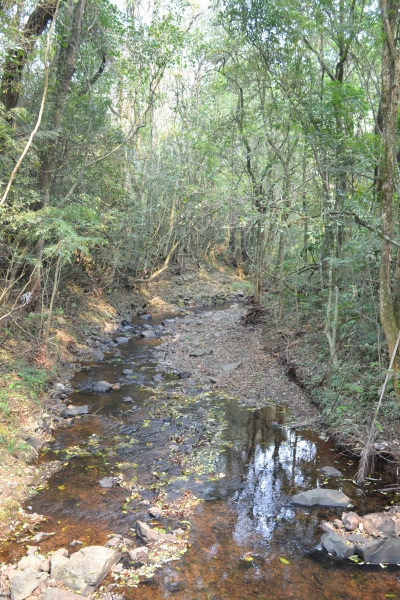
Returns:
(321, 497)
(102, 386)
(74, 411)
(148, 334)
(332, 472)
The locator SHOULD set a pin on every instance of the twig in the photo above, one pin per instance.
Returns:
(366, 453)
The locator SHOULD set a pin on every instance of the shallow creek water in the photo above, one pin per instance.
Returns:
(245, 513)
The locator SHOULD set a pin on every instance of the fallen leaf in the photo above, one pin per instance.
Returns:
(284, 561)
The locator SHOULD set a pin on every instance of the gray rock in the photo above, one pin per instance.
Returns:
(127, 399)
(357, 538)
(113, 542)
(231, 366)
(127, 371)
(321, 497)
(337, 544)
(107, 482)
(351, 521)
(368, 548)
(157, 377)
(57, 563)
(23, 584)
(86, 569)
(29, 562)
(149, 535)
(148, 327)
(121, 340)
(381, 523)
(382, 551)
(149, 334)
(185, 375)
(327, 526)
(74, 411)
(332, 472)
(145, 317)
(138, 553)
(167, 322)
(45, 565)
(60, 388)
(204, 352)
(58, 594)
(102, 386)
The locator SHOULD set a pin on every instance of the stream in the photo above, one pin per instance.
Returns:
(245, 524)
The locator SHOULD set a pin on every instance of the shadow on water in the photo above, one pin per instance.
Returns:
(246, 523)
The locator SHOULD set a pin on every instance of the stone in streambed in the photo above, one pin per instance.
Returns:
(381, 523)
(147, 327)
(332, 472)
(102, 386)
(107, 482)
(149, 334)
(149, 535)
(145, 317)
(337, 544)
(357, 538)
(23, 584)
(138, 553)
(157, 378)
(380, 551)
(86, 569)
(127, 371)
(58, 594)
(321, 497)
(351, 521)
(231, 366)
(29, 562)
(74, 411)
(185, 375)
(204, 352)
(121, 340)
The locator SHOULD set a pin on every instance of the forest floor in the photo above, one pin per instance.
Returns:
(273, 362)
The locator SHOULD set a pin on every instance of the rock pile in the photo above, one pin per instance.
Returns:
(35, 575)
(373, 538)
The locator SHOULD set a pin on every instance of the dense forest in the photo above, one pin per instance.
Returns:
(135, 137)
(159, 158)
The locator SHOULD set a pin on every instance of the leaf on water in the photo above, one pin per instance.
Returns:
(284, 561)
(391, 595)
(355, 558)
(248, 558)
(61, 487)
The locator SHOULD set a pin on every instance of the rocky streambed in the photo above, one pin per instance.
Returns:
(178, 476)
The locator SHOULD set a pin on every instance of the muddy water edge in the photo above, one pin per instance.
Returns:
(246, 539)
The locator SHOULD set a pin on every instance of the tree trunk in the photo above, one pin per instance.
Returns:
(390, 96)
(16, 57)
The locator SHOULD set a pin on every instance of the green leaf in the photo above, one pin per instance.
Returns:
(284, 561)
